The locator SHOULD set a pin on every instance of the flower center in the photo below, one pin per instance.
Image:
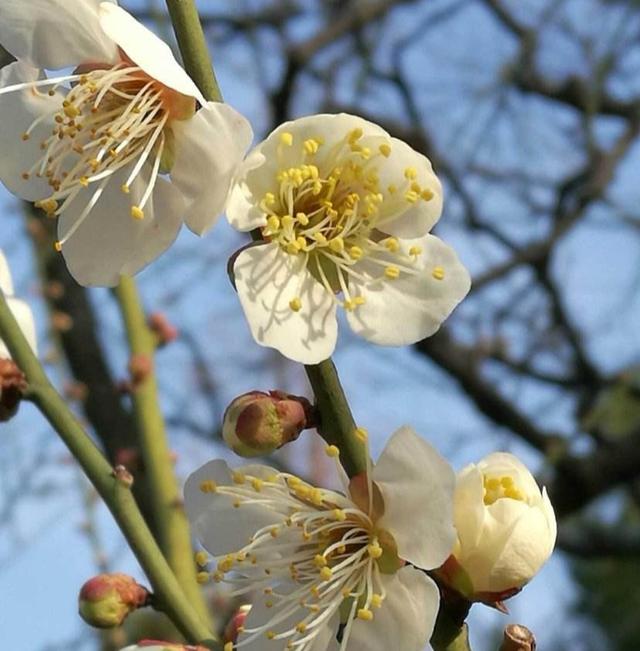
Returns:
(110, 118)
(320, 557)
(499, 487)
(330, 209)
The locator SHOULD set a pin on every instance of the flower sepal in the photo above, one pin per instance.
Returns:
(454, 581)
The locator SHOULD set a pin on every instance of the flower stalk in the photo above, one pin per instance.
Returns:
(115, 494)
(169, 519)
(337, 424)
(193, 47)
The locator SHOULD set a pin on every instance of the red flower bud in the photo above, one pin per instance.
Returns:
(258, 423)
(106, 600)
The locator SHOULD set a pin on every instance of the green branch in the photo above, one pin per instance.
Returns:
(193, 47)
(116, 493)
(168, 515)
(336, 421)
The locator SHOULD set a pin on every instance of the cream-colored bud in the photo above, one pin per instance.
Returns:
(506, 529)
(258, 423)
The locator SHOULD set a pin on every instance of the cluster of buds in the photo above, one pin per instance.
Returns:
(506, 530)
(106, 600)
(257, 423)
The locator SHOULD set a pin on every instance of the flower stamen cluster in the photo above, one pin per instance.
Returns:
(108, 119)
(328, 210)
(323, 545)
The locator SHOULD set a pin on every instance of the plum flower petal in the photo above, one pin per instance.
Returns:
(194, 154)
(407, 618)
(351, 207)
(314, 558)
(266, 278)
(54, 34)
(415, 304)
(414, 478)
(21, 310)
(126, 117)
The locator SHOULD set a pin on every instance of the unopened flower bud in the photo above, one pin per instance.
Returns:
(235, 624)
(106, 600)
(506, 530)
(258, 423)
(13, 384)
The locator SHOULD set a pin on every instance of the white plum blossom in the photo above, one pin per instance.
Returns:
(314, 560)
(506, 528)
(345, 211)
(93, 147)
(21, 311)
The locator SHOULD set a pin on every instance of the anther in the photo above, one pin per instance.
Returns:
(365, 614)
(391, 272)
(326, 573)
(286, 139)
(385, 150)
(332, 451)
(361, 434)
(438, 273)
(137, 212)
(201, 557)
(411, 173)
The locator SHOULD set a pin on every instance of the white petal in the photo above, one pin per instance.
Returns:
(508, 465)
(6, 282)
(525, 551)
(469, 508)
(267, 279)
(24, 317)
(55, 34)
(217, 524)
(259, 615)
(417, 487)
(406, 618)
(19, 109)
(411, 307)
(243, 210)
(500, 519)
(110, 242)
(145, 49)
(208, 149)
(257, 175)
(412, 219)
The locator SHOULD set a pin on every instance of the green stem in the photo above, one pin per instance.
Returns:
(116, 494)
(451, 633)
(337, 424)
(168, 516)
(193, 47)
(336, 421)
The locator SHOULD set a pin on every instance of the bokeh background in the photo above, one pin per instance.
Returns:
(530, 112)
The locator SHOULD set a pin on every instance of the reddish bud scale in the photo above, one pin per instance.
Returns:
(234, 625)
(13, 384)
